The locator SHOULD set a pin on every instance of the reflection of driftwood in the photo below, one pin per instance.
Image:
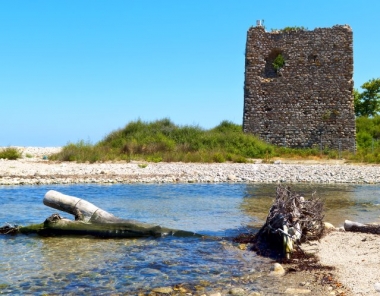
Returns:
(292, 219)
(358, 227)
(89, 220)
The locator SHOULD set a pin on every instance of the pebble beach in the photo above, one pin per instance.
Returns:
(34, 168)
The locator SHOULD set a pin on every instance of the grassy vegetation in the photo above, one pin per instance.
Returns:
(10, 153)
(162, 140)
(367, 139)
(290, 29)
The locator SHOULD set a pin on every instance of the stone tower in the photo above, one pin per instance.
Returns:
(307, 100)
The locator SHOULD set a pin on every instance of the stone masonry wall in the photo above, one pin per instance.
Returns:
(309, 101)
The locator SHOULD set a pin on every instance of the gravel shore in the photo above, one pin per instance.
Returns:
(32, 169)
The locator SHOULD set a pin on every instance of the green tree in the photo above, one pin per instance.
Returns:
(367, 103)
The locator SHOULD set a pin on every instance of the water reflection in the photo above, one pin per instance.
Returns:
(353, 202)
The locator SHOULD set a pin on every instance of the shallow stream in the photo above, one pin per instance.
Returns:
(84, 265)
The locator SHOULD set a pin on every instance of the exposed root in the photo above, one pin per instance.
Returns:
(292, 219)
(8, 229)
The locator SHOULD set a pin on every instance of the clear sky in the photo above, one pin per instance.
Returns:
(77, 70)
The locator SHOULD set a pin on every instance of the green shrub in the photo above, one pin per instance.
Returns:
(364, 139)
(218, 157)
(278, 62)
(80, 152)
(154, 158)
(193, 157)
(332, 154)
(293, 29)
(227, 127)
(239, 159)
(10, 153)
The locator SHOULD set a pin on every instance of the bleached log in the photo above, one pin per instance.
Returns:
(88, 212)
(90, 220)
(359, 227)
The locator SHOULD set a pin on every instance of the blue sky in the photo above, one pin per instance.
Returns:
(77, 70)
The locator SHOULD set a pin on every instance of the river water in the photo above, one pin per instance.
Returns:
(84, 265)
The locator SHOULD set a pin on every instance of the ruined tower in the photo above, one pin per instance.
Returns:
(298, 89)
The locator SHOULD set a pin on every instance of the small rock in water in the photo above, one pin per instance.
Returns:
(277, 270)
(296, 291)
(237, 291)
(254, 294)
(163, 290)
(243, 247)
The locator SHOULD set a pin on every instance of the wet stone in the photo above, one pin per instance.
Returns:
(163, 290)
(237, 292)
(296, 291)
(277, 270)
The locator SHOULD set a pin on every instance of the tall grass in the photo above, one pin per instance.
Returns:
(10, 153)
(162, 140)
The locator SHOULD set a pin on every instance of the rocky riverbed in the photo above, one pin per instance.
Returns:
(34, 168)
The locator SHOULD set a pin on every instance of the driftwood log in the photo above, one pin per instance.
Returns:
(89, 220)
(359, 227)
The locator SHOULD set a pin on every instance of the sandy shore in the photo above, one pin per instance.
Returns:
(356, 259)
(354, 256)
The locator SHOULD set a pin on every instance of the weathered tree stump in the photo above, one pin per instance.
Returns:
(292, 219)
